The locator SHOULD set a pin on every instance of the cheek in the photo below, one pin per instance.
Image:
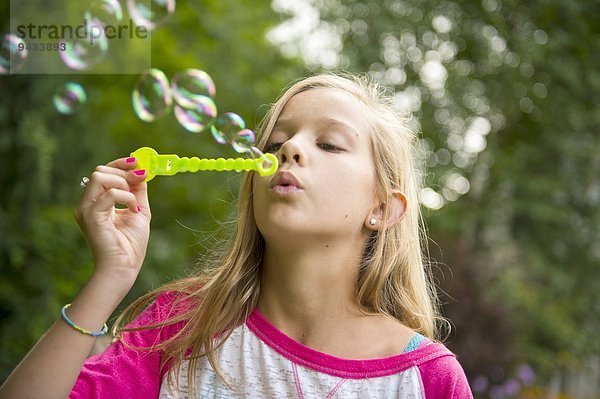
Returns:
(257, 193)
(260, 197)
(366, 180)
(355, 187)
(259, 212)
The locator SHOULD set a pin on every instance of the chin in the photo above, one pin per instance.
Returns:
(277, 231)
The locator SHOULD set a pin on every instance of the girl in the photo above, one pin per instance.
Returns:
(321, 292)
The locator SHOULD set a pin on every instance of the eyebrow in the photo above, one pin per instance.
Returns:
(282, 124)
(285, 124)
(328, 122)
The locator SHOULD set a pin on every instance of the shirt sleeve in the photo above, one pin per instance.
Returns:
(444, 377)
(124, 372)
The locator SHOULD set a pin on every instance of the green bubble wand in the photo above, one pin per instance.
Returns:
(170, 164)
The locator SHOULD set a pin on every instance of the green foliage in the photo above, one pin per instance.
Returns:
(506, 94)
(44, 258)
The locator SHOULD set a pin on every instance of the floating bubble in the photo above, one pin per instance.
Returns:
(150, 13)
(191, 84)
(197, 117)
(69, 99)
(243, 140)
(226, 127)
(151, 96)
(104, 12)
(84, 52)
(13, 54)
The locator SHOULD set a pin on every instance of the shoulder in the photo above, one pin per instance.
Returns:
(162, 307)
(158, 319)
(132, 367)
(441, 372)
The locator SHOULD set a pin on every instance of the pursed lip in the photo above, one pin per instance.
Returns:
(285, 178)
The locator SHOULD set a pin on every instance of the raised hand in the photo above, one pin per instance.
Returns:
(117, 238)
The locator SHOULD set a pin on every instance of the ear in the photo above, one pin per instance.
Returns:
(396, 209)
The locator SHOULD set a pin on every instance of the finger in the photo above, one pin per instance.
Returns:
(101, 172)
(126, 163)
(112, 197)
(132, 176)
(102, 181)
(140, 191)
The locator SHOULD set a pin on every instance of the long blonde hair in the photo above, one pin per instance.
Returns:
(394, 279)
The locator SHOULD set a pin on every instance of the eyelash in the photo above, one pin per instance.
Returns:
(274, 147)
(330, 147)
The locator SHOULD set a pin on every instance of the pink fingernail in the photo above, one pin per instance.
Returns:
(139, 208)
(140, 172)
(130, 160)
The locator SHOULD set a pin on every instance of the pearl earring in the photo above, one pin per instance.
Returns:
(373, 221)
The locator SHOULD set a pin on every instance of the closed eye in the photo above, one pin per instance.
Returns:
(329, 147)
(273, 147)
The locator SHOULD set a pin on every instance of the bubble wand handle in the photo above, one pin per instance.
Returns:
(170, 164)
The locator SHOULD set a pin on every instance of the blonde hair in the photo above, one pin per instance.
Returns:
(394, 279)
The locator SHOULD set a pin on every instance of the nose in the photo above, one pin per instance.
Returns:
(291, 151)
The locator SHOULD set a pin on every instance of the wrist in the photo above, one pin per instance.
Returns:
(106, 289)
(67, 319)
(93, 306)
(114, 280)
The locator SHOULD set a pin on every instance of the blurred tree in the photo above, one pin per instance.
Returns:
(43, 256)
(505, 94)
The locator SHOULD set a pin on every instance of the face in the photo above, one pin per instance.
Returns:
(325, 185)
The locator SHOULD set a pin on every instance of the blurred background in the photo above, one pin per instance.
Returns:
(504, 92)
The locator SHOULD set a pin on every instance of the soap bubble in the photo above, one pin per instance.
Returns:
(243, 140)
(198, 116)
(226, 127)
(12, 54)
(83, 53)
(151, 96)
(191, 84)
(69, 98)
(104, 12)
(150, 13)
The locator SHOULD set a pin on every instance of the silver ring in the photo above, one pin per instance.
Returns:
(84, 181)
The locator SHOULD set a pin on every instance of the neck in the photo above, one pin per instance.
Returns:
(308, 292)
(304, 290)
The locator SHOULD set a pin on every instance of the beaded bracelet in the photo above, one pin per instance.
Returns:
(81, 330)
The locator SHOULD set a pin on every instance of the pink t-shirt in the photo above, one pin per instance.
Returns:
(265, 363)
